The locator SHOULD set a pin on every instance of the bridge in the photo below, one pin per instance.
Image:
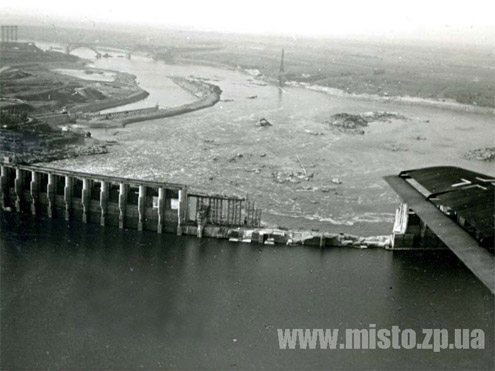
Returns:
(73, 46)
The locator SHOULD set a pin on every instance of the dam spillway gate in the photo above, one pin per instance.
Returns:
(121, 202)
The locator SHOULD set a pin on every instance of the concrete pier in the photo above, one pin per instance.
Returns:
(3, 185)
(411, 232)
(18, 189)
(35, 192)
(85, 200)
(50, 194)
(181, 211)
(103, 202)
(122, 203)
(68, 197)
(141, 201)
(202, 219)
(161, 210)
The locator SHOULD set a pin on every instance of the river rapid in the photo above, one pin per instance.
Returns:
(202, 148)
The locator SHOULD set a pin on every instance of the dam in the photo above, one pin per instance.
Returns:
(123, 202)
(147, 205)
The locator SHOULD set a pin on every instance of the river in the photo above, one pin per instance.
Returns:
(201, 148)
(82, 297)
(78, 296)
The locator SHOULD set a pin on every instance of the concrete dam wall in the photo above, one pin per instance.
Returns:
(122, 202)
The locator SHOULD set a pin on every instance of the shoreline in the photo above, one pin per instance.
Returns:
(112, 103)
(208, 95)
(406, 100)
(335, 92)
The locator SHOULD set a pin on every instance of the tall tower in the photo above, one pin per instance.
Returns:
(281, 72)
(4, 33)
(9, 33)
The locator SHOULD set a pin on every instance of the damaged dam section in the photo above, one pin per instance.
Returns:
(153, 206)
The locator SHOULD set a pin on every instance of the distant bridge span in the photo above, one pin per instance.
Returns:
(73, 46)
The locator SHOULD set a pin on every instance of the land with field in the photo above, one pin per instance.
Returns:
(436, 71)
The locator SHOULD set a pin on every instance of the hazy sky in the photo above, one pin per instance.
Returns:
(456, 20)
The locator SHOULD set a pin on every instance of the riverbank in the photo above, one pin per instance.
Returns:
(50, 81)
(208, 95)
(42, 90)
(136, 96)
(454, 74)
(445, 103)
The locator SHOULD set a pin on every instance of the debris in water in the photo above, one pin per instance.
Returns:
(351, 123)
(264, 123)
(481, 154)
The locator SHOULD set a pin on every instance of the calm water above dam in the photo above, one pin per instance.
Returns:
(80, 296)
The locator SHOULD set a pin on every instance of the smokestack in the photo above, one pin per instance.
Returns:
(15, 33)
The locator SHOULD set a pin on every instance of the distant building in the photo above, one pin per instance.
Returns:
(9, 33)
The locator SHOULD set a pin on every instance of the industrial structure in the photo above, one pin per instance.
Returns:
(123, 202)
(9, 33)
(450, 207)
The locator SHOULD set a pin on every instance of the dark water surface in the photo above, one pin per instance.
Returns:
(81, 297)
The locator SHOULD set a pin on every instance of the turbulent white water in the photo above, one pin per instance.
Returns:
(197, 148)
